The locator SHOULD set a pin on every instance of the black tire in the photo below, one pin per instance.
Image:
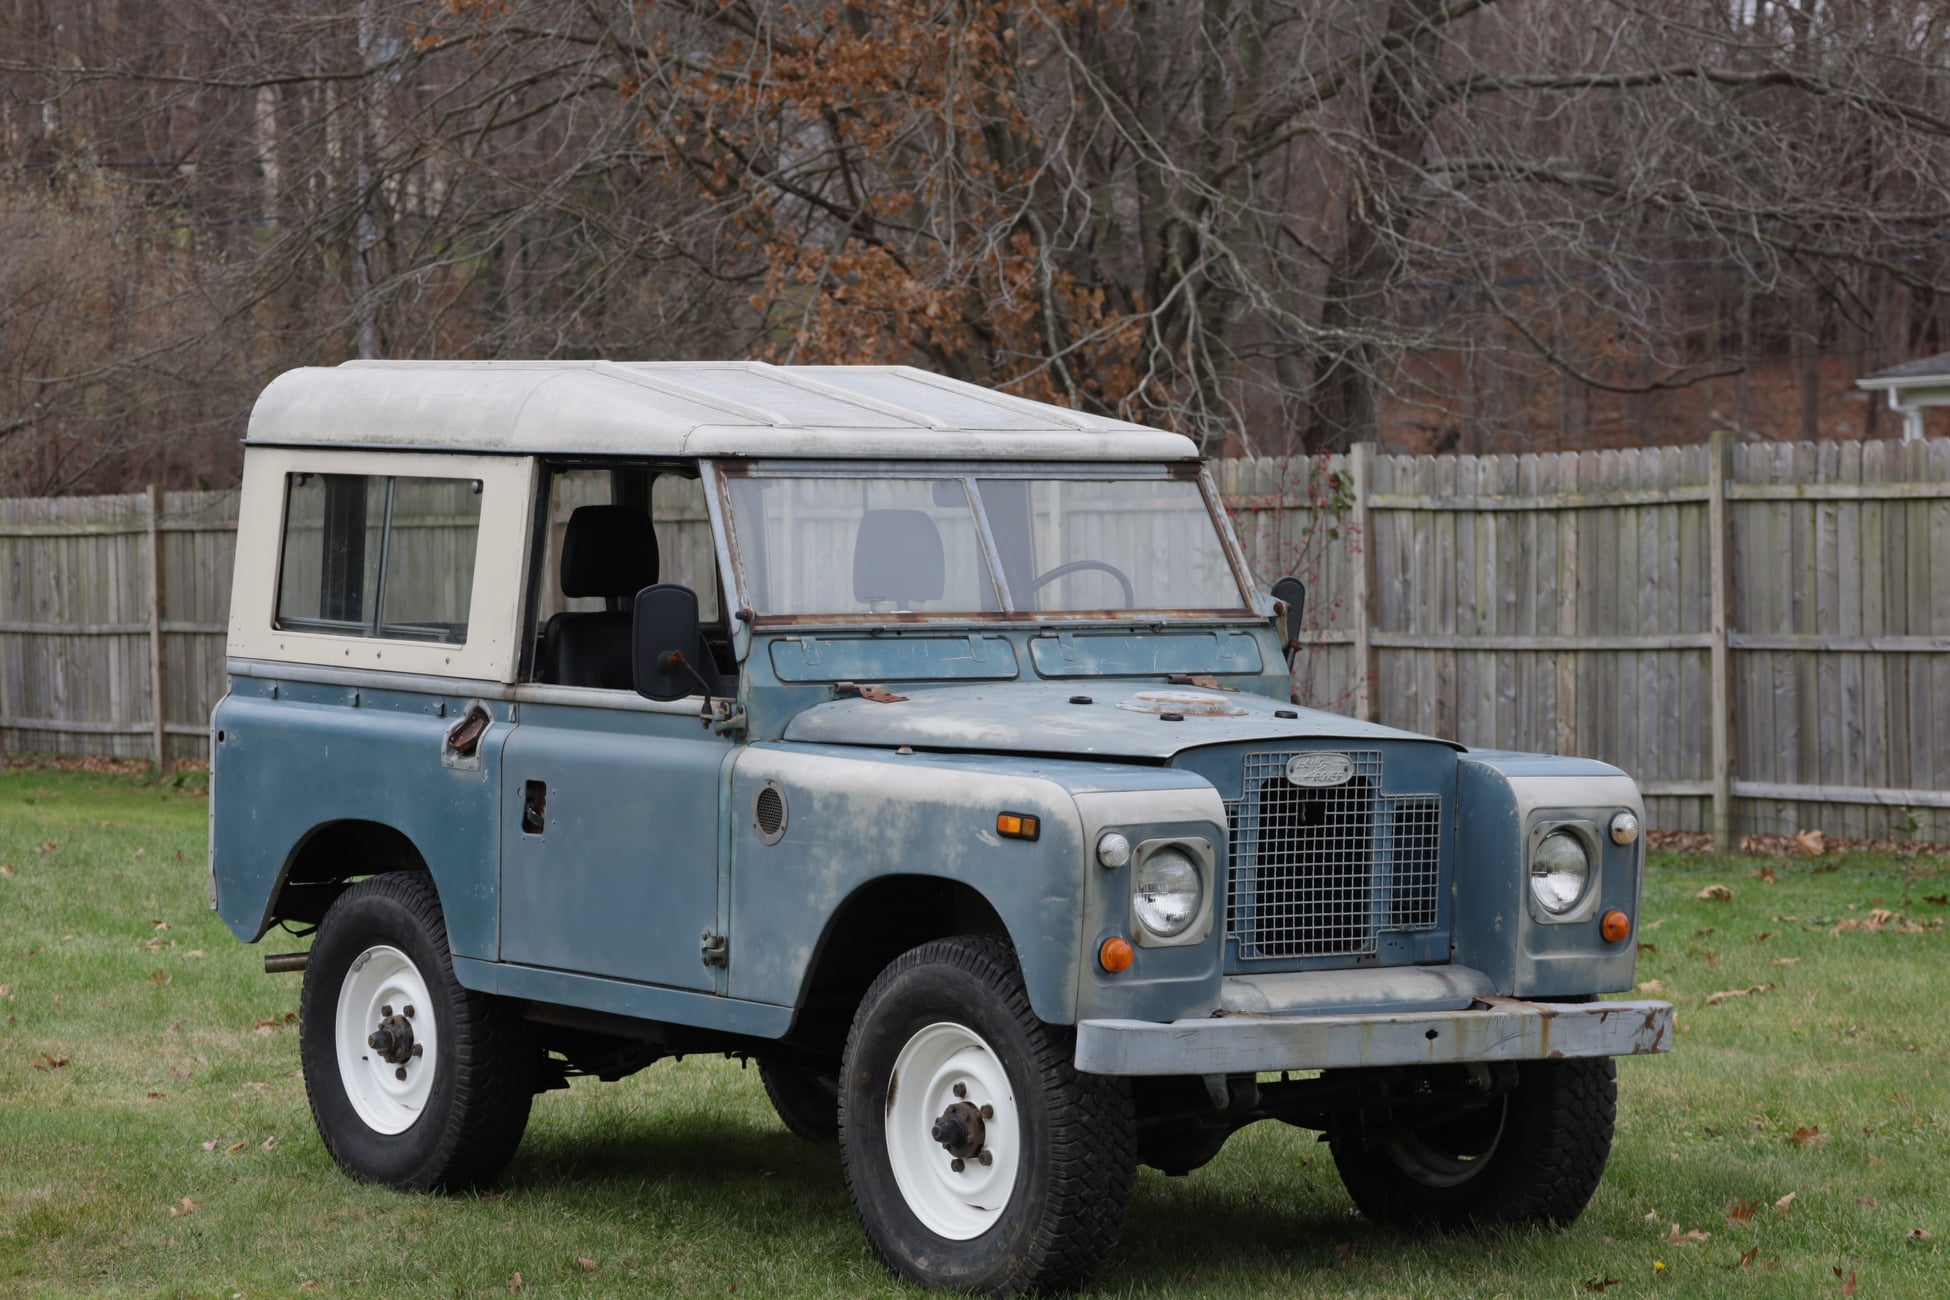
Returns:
(807, 1101)
(1531, 1157)
(475, 1105)
(1074, 1143)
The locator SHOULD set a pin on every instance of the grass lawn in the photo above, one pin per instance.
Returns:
(154, 1137)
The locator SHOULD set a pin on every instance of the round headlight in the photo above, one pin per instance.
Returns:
(1559, 871)
(1113, 850)
(1165, 892)
(1624, 828)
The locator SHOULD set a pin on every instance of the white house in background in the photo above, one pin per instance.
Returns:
(1911, 387)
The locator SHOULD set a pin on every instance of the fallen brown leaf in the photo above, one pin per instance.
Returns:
(1724, 994)
(160, 925)
(1748, 1256)
(514, 1283)
(1712, 960)
(211, 1145)
(157, 1096)
(52, 1062)
(234, 1148)
(1786, 961)
(1741, 1212)
(49, 846)
(1654, 987)
(1941, 900)
(1786, 1203)
(1648, 947)
(1765, 875)
(1867, 1202)
(588, 1264)
(6, 869)
(1919, 1234)
(1882, 916)
(1763, 936)
(1691, 1237)
(1807, 1137)
(1599, 1282)
(1812, 843)
(1653, 1216)
(1848, 1285)
(1715, 894)
(187, 1207)
(159, 976)
(268, 1144)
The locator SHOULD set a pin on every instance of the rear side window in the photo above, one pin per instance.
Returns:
(371, 556)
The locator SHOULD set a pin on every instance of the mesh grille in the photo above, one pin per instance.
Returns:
(1320, 871)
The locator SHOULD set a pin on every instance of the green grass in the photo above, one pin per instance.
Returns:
(680, 1181)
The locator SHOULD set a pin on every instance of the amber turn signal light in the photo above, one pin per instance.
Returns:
(1018, 826)
(1116, 954)
(1616, 927)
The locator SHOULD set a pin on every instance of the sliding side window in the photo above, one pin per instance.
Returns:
(372, 556)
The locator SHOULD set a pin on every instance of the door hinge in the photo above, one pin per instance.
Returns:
(715, 953)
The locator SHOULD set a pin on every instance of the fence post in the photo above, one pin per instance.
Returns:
(1719, 461)
(156, 696)
(1360, 464)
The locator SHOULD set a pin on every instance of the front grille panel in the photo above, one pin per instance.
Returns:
(1323, 870)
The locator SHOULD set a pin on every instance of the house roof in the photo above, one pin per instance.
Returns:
(683, 408)
(1921, 370)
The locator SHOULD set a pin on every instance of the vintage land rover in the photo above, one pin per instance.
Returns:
(931, 747)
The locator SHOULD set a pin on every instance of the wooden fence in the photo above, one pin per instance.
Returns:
(1760, 633)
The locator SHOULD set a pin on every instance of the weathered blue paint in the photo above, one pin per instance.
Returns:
(855, 815)
(622, 879)
(974, 657)
(296, 757)
(1125, 653)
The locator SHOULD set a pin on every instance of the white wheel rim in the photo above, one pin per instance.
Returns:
(956, 1205)
(383, 980)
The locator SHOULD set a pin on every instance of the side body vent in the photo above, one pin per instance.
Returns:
(769, 813)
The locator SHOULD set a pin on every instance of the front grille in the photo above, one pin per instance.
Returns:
(1320, 871)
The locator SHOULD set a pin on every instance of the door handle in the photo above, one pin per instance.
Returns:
(464, 737)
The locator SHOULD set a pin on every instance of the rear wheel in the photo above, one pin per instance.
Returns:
(1532, 1155)
(414, 1081)
(978, 1158)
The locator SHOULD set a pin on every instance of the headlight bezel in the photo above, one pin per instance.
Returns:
(1586, 835)
(1199, 852)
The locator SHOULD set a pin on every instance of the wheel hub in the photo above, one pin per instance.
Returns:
(393, 1040)
(960, 1129)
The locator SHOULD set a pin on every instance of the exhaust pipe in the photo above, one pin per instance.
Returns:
(276, 963)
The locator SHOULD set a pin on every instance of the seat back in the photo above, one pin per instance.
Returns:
(898, 556)
(610, 552)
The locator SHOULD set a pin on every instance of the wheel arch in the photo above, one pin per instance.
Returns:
(332, 855)
(881, 919)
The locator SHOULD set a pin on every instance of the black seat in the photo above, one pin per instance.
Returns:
(610, 552)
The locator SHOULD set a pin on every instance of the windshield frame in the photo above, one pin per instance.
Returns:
(723, 473)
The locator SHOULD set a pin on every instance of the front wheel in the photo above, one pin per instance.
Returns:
(414, 1081)
(978, 1158)
(1532, 1155)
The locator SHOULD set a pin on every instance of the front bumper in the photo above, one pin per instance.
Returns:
(1489, 1029)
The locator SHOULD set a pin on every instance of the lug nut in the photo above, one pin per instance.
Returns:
(419, 1050)
(409, 1009)
(961, 1090)
(986, 1158)
(956, 1164)
(400, 1074)
(386, 1010)
(988, 1111)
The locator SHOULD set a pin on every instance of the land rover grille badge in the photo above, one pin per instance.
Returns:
(1319, 769)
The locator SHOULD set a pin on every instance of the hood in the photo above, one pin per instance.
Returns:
(1121, 720)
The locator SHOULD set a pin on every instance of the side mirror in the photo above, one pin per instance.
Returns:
(1292, 593)
(663, 637)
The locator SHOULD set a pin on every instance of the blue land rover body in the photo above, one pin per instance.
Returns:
(932, 747)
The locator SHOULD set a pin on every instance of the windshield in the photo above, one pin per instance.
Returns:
(971, 544)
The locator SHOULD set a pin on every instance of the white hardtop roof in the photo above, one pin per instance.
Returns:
(683, 408)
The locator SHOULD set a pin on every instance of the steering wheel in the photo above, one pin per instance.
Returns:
(1078, 566)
